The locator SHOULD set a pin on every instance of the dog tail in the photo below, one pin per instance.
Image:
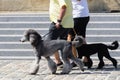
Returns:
(114, 45)
(78, 41)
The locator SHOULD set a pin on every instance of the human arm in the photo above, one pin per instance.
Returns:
(61, 15)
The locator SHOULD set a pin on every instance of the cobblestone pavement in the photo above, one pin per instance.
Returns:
(19, 70)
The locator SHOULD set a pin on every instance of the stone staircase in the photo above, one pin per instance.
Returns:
(103, 27)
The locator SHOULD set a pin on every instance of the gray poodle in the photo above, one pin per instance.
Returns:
(47, 48)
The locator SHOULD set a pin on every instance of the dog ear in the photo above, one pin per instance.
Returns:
(25, 36)
(39, 37)
(27, 33)
(32, 31)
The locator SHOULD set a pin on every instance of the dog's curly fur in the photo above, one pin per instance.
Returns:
(102, 50)
(47, 48)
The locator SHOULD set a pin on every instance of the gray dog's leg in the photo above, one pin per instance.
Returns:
(65, 53)
(78, 62)
(67, 67)
(52, 65)
(36, 66)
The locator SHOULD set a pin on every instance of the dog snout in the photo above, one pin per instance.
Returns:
(23, 39)
(79, 38)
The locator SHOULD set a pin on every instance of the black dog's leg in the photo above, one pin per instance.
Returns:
(36, 66)
(101, 63)
(52, 65)
(89, 63)
(112, 60)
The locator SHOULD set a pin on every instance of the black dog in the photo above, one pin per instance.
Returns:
(47, 48)
(102, 50)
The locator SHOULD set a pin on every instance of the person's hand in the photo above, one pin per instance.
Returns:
(58, 25)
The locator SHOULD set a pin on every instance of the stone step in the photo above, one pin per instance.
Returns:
(20, 31)
(25, 14)
(20, 52)
(20, 45)
(45, 17)
(103, 31)
(95, 24)
(29, 53)
(103, 27)
(102, 39)
(105, 18)
(89, 38)
(24, 24)
(43, 31)
(23, 18)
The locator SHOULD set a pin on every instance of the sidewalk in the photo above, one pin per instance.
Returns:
(18, 70)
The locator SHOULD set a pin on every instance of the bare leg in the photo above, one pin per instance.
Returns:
(85, 59)
(57, 58)
(56, 55)
(74, 51)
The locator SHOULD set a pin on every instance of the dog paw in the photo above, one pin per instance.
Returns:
(99, 67)
(53, 72)
(115, 67)
(34, 70)
(32, 73)
(64, 73)
(82, 70)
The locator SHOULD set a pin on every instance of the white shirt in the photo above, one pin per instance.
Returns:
(80, 8)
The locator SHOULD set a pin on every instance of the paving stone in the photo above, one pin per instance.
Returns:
(49, 77)
(80, 77)
(118, 78)
(19, 70)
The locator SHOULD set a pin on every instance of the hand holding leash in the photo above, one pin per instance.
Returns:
(58, 24)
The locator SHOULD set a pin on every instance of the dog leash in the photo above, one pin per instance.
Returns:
(63, 32)
(49, 33)
(46, 34)
(75, 32)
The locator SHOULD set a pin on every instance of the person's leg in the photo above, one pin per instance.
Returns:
(57, 58)
(74, 51)
(80, 25)
(64, 34)
(73, 47)
(53, 35)
(83, 32)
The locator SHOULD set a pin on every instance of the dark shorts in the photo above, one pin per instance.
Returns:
(55, 33)
(80, 25)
